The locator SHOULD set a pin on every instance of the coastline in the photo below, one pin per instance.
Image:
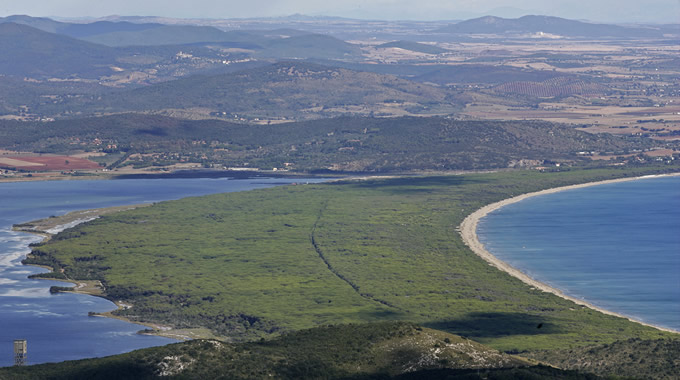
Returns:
(179, 334)
(96, 289)
(468, 232)
(48, 227)
(145, 174)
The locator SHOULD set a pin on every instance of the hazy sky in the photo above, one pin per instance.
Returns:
(597, 10)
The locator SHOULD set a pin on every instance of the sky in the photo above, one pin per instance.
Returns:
(648, 11)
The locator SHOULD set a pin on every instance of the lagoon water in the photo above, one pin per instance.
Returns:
(57, 326)
(616, 246)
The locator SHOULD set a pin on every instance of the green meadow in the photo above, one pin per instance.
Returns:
(261, 263)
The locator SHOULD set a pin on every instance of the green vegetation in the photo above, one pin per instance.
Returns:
(259, 263)
(259, 268)
(369, 351)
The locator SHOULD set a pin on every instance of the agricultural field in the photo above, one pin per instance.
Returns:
(47, 163)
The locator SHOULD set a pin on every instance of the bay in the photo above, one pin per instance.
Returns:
(56, 326)
(616, 246)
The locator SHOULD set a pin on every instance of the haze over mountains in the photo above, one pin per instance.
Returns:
(55, 69)
(126, 55)
(136, 31)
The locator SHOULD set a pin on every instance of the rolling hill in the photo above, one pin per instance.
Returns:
(294, 90)
(339, 144)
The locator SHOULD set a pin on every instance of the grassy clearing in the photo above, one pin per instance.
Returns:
(259, 263)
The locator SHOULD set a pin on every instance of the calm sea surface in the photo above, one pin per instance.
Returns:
(57, 327)
(616, 246)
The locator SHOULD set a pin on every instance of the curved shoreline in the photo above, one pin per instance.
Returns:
(48, 227)
(468, 232)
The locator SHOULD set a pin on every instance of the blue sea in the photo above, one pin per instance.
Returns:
(56, 326)
(616, 246)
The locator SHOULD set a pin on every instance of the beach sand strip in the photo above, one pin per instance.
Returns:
(468, 231)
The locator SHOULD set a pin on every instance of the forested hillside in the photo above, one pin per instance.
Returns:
(339, 144)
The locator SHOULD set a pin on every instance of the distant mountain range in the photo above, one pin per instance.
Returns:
(79, 30)
(280, 43)
(44, 48)
(121, 33)
(547, 24)
(164, 60)
(28, 51)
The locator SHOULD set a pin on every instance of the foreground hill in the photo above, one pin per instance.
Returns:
(547, 24)
(375, 351)
(340, 144)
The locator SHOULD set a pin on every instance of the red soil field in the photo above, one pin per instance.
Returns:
(49, 163)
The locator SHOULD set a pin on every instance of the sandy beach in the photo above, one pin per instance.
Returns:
(468, 231)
